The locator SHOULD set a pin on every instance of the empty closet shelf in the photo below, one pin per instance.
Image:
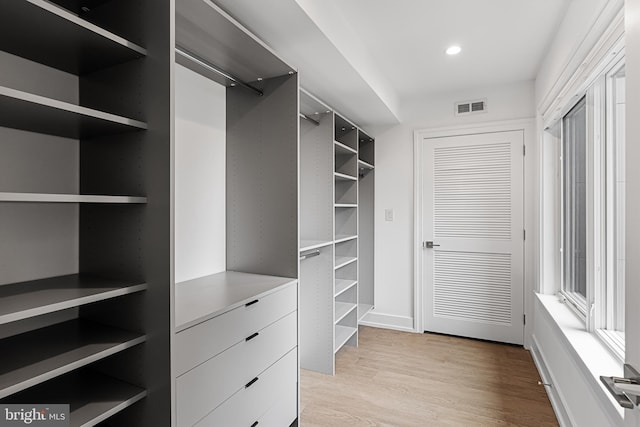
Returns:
(307, 245)
(343, 309)
(62, 40)
(345, 237)
(35, 113)
(342, 335)
(344, 177)
(342, 261)
(364, 165)
(344, 149)
(92, 397)
(69, 198)
(40, 355)
(28, 299)
(342, 285)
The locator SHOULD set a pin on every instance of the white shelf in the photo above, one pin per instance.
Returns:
(344, 149)
(201, 299)
(343, 177)
(37, 356)
(342, 285)
(341, 261)
(363, 309)
(307, 245)
(346, 205)
(68, 198)
(345, 238)
(28, 299)
(364, 165)
(343, 309)
(342, 335)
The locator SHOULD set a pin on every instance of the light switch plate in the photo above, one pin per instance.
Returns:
(388, 214)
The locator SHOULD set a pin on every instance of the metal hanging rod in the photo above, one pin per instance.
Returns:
(203, 63)
(315, 122)
(309, 255)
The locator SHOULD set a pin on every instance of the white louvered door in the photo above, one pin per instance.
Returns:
(473, 209)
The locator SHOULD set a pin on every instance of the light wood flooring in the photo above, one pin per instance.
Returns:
(404, 379)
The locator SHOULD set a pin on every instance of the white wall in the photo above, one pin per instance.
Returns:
(200, 111)
(394, 188)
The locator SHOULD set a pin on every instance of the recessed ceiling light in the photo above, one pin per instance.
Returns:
(453, 50)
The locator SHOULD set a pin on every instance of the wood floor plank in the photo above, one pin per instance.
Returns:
(401, 379)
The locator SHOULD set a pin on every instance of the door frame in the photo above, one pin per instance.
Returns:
(531, 209)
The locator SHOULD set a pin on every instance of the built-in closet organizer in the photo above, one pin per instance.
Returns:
(331, 210)
(85, 164)
(236, 329)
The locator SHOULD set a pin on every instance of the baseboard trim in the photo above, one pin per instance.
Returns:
(388, 321)
(552, 393)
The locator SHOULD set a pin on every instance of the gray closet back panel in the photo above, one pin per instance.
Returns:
(262, 178)
(316, 179)
(366, 234)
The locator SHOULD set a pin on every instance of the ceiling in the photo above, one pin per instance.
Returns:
(368, 58)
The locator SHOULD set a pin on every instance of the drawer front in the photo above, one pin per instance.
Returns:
(275, 390)
(205, 340)
(204, 388)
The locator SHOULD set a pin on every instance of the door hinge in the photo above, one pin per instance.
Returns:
(524, 150)
(524, 319)
(524, 234)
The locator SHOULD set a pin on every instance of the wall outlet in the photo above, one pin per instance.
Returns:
(388, 214)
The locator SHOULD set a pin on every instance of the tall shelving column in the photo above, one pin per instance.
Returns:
(366, 228)
(345, 233)
(316, 235)
(85, 143)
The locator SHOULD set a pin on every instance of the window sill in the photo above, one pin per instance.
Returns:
(591, 356)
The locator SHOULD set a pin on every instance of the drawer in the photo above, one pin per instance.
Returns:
(205, 387)
(272, 400)
(207, 339)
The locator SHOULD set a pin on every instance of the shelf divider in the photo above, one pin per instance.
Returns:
(344, 177)
(342, 335)
(342, 261)
(40, 355)
(343, 309)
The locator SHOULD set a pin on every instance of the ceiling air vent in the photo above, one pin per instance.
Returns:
(471, 107)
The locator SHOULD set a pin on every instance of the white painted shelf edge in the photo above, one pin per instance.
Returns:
(343, 285)
(346, 205)
(342, 261)
(365, 165)
(343, 309)
(342, 335)
(340, 147)
(69, 198)
(201, 299)
(344, 177)
(307, 245)
(345, 238)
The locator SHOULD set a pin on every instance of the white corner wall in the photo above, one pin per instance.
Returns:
(200, 139)
(394, 269)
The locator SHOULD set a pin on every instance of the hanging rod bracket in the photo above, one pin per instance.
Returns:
(215, 69)
(309, 119)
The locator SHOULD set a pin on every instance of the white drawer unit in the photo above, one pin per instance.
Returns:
(270, 401)
(206, 386)
(199, 343)
(237, 364)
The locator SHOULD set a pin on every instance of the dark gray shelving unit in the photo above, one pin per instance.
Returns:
(91, 396)
(34, 113)
(85, 206)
